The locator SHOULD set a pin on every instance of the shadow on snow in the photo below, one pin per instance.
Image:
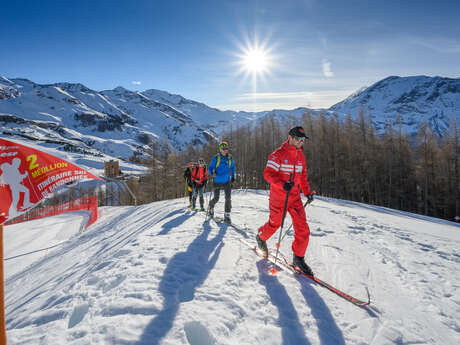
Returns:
(292, 330)
(173, 223)
(185, 272)
(328, 331)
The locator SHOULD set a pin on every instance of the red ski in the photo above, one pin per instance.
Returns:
(282, 261)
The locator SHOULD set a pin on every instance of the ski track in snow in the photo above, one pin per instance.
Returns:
(161, 274)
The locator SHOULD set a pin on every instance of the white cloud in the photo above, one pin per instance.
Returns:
(135, 82)
(438, 44)
(327, 69)
(285, 100)
(274, 95)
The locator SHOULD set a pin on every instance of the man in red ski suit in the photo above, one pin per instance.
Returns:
(199, 178)
(285, 161)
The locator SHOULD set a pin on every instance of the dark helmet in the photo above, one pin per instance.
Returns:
(298, 132)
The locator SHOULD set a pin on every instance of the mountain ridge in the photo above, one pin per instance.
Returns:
(414, 100)
(121, 122)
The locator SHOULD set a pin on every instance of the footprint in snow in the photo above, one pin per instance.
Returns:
(114, 283)
(197, 334)
(78, 314)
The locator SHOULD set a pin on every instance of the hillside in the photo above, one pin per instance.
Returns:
(413, 100)
(159, 274)
(120, 123)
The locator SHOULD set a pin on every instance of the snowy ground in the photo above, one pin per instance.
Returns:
(159, 274)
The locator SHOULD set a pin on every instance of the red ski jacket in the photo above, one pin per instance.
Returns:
(200, 175)
(284, 161)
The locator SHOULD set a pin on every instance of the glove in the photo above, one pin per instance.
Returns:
(233, 179)
(288, 186)
(310, 198)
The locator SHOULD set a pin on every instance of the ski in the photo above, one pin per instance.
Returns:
(221, 220)
(240, 230)
(259, 253)
(282, 261)
(333, 289)
(196, 209)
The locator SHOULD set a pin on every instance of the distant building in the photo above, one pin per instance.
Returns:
(111, 169)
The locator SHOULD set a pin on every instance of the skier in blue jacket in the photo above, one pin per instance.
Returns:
(223, 167)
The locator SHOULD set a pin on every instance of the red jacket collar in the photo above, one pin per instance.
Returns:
(291, 148)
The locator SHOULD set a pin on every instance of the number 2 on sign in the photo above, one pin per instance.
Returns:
(33, 159)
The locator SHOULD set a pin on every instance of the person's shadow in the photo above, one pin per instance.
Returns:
(173, 223)
(292, 330)
(328, 331)
(184, 273)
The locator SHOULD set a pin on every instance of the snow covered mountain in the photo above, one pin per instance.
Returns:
(161, 274)
(413, 99)
(120, 122)
(117, 122)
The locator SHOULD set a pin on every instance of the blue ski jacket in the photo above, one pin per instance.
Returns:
(224, 172)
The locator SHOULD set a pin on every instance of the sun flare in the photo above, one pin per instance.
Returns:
(256, 63)
(255, 60)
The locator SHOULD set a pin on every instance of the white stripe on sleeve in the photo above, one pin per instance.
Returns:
(271, 165)
(273, 162)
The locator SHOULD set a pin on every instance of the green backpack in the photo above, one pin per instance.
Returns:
(229, 163)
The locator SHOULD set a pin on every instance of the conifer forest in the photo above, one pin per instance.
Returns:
(345, 160)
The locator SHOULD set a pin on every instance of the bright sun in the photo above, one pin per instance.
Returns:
(255, 60)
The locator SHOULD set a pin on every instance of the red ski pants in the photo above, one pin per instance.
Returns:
(299, 221)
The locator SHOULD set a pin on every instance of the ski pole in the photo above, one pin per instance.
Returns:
(206, 193)
(304, 205)
(185, 193)
(273, 270)
(209, 202)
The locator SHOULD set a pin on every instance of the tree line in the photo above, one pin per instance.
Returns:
(345, 159)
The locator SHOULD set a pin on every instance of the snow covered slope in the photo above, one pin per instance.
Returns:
(160, 274)
(417, 99)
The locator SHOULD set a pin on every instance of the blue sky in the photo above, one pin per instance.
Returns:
(317, 52)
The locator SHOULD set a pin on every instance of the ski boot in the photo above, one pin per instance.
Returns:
(227, 218)
(262, 246)
(211, 213)
(299, 263)
(193, 204)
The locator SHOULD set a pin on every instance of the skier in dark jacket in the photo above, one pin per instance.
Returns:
(285, 162)
(223, 167)
(189, 182)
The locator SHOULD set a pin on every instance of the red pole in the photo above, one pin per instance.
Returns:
(2, 293)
